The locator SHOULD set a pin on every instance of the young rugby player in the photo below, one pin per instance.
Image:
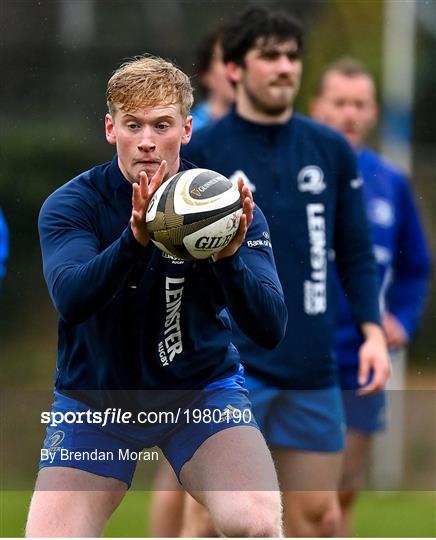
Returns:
(114, 292)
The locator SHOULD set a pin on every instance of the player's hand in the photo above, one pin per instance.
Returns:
(141, 196)
(396, 335)
(373, 359)
(244, 223)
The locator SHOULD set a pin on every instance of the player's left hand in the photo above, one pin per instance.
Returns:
(373, 359)
(142, 194)
(244, 223)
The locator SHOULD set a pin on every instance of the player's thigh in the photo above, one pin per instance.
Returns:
(301, 470)
(356, 452)
(72, 502)
(234, 459)
(237, 460)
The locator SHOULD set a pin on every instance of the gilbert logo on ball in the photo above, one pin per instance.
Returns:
(194, 214)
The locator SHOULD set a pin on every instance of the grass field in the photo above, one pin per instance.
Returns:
(387, 514)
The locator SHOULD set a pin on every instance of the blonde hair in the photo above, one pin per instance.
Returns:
(148, 81)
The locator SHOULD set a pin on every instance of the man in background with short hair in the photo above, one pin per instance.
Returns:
(345, 99)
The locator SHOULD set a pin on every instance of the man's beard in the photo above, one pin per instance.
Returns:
(271, 109)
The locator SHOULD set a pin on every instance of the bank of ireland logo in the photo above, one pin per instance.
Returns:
(311, 179)
(53, 442)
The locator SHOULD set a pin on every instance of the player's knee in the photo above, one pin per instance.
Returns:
(259, 516)
(347, 498)
(321, 517)
(330, 521)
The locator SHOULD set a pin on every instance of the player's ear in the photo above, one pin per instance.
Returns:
(234, 72)
(187, 130)
(109, 128)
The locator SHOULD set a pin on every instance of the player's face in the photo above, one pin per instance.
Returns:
(146, 137)
(270, 77)
(347, 104)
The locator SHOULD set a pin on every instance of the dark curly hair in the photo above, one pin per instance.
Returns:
(241, 35)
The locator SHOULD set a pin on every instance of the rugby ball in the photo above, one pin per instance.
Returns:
(194, 214)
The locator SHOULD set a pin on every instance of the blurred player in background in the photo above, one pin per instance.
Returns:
(305, 178)
(212, 76)
(346, 100)
(132, 319)
(4, 246)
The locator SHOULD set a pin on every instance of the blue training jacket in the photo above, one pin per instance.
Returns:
(135, 318)
(201, 116)
(400, 250)
(305, 179)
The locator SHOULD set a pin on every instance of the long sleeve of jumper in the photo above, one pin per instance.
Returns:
(411, 263)
(81, 277)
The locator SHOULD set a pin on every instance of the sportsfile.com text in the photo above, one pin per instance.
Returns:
(118, 416)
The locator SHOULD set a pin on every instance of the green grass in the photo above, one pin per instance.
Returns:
(403, 514)
(13, 511)
(398, 514)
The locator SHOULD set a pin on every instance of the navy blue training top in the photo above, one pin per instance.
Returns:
(304, 177)
(135, 318)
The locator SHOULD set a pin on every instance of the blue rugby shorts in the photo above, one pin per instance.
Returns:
(365, 414)
(226, 399)
(309, 420)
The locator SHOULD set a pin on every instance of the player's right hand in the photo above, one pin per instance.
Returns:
(373, 359)
(141, 196)
(396, 335)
